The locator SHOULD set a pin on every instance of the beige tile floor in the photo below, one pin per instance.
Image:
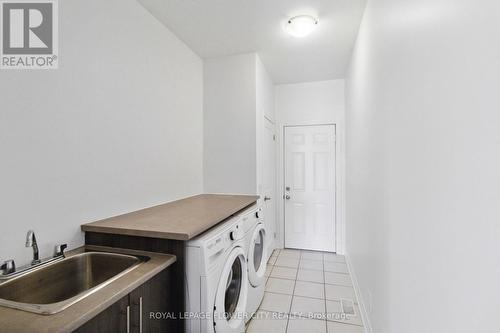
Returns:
(309, 292)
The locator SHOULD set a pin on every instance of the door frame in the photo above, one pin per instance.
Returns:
(339, 185)
(276, 243)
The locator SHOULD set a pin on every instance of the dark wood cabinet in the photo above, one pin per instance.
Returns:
(113, 319)
(140, 311)
(174, 292)
(149, 303)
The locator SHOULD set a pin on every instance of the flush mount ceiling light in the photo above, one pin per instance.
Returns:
(301, 26)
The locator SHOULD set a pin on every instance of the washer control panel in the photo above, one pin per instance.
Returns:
(236, 233)
(225, 239)
(250, 218)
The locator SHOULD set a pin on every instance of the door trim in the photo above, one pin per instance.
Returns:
(339, 184)
(273, 242)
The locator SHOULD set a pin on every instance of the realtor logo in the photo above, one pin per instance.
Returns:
(29, 34)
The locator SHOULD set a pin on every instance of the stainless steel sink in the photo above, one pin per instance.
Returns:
(55, 286)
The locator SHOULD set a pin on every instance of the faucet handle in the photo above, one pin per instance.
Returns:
(59, 250)
(8, 267)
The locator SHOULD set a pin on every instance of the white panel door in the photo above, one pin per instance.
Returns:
(269, 183)
(310, 187)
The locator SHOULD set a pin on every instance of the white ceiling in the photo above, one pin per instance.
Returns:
(215, 28)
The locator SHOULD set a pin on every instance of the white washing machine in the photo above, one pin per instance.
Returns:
(256, 244)
(217, 280)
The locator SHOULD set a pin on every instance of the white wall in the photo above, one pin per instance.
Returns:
(313, 103)
(230, 143)
(266, 116)
(310, 103)
(265, 92)
(423, 165)
(116, 128)
(264, 100)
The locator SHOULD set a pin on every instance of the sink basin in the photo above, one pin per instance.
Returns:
(56, 286)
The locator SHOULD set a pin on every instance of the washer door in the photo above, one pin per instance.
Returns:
(257, 254)
(231, 297)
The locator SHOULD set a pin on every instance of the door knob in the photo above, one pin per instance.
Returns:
(287, 197)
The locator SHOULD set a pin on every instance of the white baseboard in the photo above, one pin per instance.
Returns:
(361, 302)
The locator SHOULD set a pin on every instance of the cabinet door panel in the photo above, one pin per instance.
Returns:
(155, 300)
(113, 319)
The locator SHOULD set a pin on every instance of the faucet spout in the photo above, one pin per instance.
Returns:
(31, 242)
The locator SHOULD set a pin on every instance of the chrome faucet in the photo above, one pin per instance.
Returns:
(31, 242)
(59, 250)
(9, 270)
(7, 267)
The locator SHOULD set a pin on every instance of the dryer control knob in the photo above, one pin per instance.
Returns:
(235, 235)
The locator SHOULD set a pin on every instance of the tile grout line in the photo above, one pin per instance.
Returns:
(324, 289)
(300, 259)
(308, 297)
(293, 293)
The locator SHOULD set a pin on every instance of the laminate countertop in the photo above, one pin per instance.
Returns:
(179, 220)
(18, 321)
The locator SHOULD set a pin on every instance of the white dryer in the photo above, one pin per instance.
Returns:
(256, 240)
(217, 280)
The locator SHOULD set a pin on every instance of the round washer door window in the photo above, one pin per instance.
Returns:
(231, 296)
(233, 289)
(257, 254)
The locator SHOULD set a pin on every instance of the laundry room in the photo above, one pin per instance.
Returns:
(249, 166)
